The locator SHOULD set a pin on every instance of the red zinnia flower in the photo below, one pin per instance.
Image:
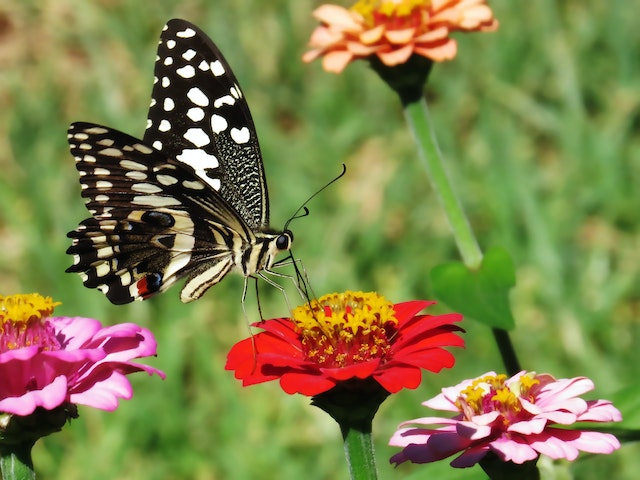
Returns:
(347, 336)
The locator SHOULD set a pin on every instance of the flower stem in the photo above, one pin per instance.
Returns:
(417, 116)
(358, 449)
(416, 113)
(15, 462)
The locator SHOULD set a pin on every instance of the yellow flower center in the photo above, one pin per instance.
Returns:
(396, 12)
(22, 321)
(491, 393)
(341, 329)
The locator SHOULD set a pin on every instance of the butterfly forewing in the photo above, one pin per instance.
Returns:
(190, 198)
(198, 115)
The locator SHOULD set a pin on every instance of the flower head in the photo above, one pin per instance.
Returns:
(50, 362)
(516, 418)
(346, 337)
(394, 30)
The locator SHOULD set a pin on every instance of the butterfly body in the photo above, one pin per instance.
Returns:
(189, 199)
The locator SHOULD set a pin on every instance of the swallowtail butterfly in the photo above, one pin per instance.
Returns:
(190, 198)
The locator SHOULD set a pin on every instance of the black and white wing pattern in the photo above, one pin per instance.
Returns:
(189, 199)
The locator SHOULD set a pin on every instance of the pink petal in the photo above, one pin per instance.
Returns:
(528, 427)
(470, 456)
(600, 411)
(49, 397)
(104, 394)
(513, 451)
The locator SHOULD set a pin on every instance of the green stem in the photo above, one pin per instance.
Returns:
(358, 449)
(417, 116)
(16, 463)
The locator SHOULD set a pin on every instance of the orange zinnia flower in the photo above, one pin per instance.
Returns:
(393, 30)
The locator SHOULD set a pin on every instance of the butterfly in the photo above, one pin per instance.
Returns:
(187, 200)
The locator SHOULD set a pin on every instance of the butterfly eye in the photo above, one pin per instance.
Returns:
(283, 242)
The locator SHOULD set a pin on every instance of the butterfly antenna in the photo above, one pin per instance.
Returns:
(303, 208)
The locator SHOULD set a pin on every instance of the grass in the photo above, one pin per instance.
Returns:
(539, 122)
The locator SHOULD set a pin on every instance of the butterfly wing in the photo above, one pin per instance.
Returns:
(199, 116)
(154, 219)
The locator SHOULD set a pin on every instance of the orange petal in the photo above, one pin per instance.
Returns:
(396, 57)
(360, 50)
(400, 37)
(335, 62)
(438, 53)
(372, 35)
(322, 37)
(337, 17)
(435, 35)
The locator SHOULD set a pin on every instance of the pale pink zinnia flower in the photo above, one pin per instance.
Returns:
(516, 418)
(393, 30)
(49, 362)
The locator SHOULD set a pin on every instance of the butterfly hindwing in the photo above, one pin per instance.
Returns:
(144, 233)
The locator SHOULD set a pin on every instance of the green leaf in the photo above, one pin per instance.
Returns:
(483, 293)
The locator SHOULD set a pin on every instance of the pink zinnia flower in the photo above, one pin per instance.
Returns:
(49, 362)
(343, 338)
(393, 30)
(517, 418)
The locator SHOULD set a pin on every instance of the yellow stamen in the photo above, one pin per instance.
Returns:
(346, 328)
(25, 308)
(388, 8)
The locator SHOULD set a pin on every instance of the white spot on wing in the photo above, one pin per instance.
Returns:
(193, 184)
(167, 179)
(111, 152)
(189, 54)
(96, 130)
(186, 33)
(103, 184)
(164, 126)
(198, 159)
(142, 148)
(131, 165)
(166, 82)
(168, 61)
(195, 114)
(136, 175)
(168, 104)
(155, 201)
(198, 97)
(145, 188)
(218, 123)
(197, 136)
(217, 68)
(186, 72)
(225, 100)
(171, 44)
(240, 135)
(157, 145)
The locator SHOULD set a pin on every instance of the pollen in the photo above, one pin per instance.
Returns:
(492, 393)
(342, 329)
(381, 11)
(22, 322)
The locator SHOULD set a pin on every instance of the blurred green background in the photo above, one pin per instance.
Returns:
(539, 122)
